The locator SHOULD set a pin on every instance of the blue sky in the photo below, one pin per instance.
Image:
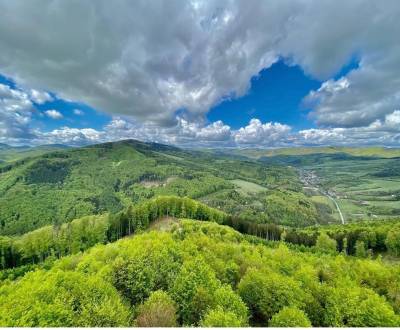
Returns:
(88, 116)
(275, 95)
(167, 79)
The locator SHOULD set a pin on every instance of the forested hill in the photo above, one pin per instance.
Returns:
(59, 186)
(10, 153)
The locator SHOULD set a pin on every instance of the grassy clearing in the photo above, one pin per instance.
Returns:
(248, 187)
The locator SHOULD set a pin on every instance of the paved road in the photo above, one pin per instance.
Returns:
(337, 207)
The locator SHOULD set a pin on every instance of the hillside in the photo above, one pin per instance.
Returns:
(195, 273)
(380, 152)
(67, 184)
(10, 153)
(363, 239)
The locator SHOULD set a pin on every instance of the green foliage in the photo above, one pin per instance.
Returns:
(290, 317)
(374, 235)
(230, 302)
(60, 186)
(157, 311)
(393, 240)
(48, 171)
(81, 234)
(146, 271)
(361, 252)
(357, 307)
(58, 298)
(326, 244)
(193, 290)
(197, 265)
(290, 209)
(218, 318)
(267, 293)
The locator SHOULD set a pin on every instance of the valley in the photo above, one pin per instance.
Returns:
(213, 238)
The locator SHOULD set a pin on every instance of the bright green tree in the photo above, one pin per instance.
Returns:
(265, 293)
(220, 318)
(230, 301)
(393, 241)
(58, 298)
(193, 290)
(290, 317)
(325, 243)
(361, 252)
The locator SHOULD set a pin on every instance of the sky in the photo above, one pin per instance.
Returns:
(222, 73)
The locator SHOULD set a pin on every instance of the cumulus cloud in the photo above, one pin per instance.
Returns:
(260, 134)
(217, 134)
(184, 133)
(162, 56)
(54, 114)
(380, 132)
(70, 136)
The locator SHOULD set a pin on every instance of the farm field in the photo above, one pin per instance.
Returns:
(360, 189)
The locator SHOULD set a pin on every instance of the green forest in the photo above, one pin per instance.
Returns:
(141, 234)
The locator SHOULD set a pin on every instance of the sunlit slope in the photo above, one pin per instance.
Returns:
(198, 273)
(60, 186)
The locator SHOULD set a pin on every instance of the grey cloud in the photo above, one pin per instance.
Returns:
(148, 59)
(15, 114)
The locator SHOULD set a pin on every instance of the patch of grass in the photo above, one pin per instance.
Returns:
(248, 187)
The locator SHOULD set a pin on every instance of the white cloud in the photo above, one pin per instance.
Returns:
(217, 134)
(259, 134)
(78, 112)
(54, 114)
(39, 97)
(194, 54)
(380, 132)
(70, 136)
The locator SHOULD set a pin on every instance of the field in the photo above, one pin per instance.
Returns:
(248, 187)
(359, 189)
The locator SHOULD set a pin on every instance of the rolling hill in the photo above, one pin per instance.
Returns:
(59, 186)
(106, 235)
(10, 153)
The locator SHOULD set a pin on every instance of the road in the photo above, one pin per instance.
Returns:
(337, 207)
(310, 179)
